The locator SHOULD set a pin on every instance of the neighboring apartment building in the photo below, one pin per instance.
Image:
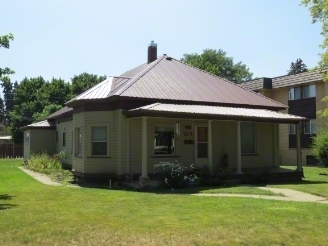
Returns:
(303, 93)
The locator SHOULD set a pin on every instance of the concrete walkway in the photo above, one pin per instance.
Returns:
(42, 178)
(289, 195)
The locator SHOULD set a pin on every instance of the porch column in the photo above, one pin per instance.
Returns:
(128, 176)
(144, 179)
(298, 146)
(238, 149)
(275, 145)
(209, 144)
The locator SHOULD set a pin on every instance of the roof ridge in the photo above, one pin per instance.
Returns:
(142, 73)
(231, 83)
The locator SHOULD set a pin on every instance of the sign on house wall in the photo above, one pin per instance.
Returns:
(188, 135)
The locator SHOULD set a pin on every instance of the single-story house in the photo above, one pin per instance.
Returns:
(163, 110)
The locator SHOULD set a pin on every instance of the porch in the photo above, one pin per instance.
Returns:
(201, 134)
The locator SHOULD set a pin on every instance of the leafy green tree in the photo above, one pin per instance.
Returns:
(297, 67)
(319, 13)
(85, 81)
(47, 110)
(217, 63)
(5, 43)
(57, 92)
(28, 100)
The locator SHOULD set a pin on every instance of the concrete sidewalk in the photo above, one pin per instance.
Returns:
(289, 195)
(44, 179)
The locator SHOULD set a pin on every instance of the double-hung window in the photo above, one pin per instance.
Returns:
(310, 127)
(294, 93)
(164, 140)
(309, 91)
(248, 137)
(78, 141)
(99, 141)
(292, 129)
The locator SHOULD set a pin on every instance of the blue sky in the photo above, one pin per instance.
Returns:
(62, 38)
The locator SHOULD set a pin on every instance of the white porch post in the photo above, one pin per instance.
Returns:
(275, 145)
(144, 179)
(298, 146)
(209, 144)
(238, 149)
(128, 176)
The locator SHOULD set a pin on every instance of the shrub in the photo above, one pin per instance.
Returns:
(320, 147)
(173, 175)
(50, 165)
(213, 177)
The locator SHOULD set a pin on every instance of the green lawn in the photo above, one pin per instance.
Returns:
(35, 214)
(313, 183)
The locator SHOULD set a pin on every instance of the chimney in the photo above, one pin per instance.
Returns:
(152, 52)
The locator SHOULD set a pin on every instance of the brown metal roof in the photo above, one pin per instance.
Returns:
(170, 79)
(214, 112)
(286, 80)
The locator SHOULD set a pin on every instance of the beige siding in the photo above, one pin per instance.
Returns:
(98, 164)
(321, 92)
(78, 161)
(224, 139)
(66, 127)
(27, 146)
(42, 140)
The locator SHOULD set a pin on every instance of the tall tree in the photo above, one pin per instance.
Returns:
(217, 63)
(297, 67)
(5, 43)
(319, 13)
(8, 94)
(2, 110)
(85, 81)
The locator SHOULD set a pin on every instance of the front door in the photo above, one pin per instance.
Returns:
(201, 145)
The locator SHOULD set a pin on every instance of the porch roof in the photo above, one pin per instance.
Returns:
(212, 112)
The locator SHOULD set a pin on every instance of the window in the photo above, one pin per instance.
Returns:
(247, 132)
(164, 141)
(27, 138)
(310, 127)
(64, 138)
(294, 93)
(78, 141)
(292, 129)
(99, 140)
(309, 91)
(56, 137)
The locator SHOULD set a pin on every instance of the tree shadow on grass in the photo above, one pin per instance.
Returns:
(4, 206)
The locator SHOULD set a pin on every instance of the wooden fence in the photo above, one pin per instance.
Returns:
(11, 150)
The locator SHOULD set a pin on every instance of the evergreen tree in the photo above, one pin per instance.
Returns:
(297, 67)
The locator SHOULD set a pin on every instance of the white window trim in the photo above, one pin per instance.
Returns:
(315, 93)
(255, 139)
(107, 131)
(310, 127)
(175, 138)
